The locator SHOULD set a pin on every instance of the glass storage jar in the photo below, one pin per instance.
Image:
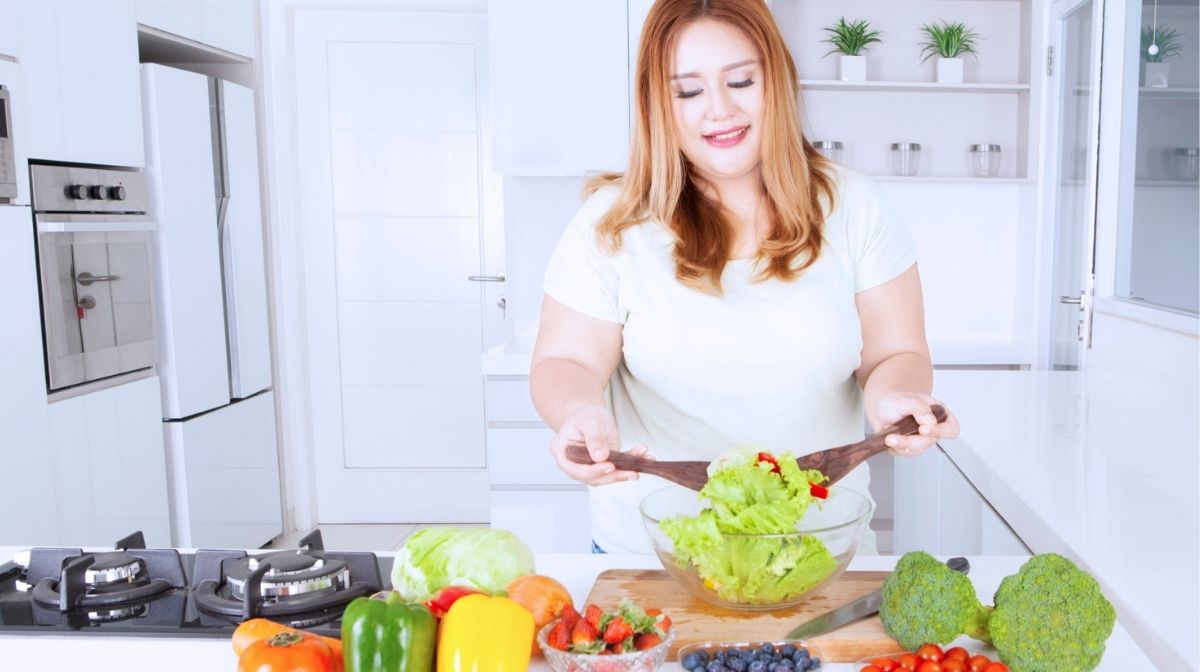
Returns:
(830, 149)
(1185, 164)
(984, 160)
(905, 158)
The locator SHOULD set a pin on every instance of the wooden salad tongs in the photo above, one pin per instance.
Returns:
(833, 462)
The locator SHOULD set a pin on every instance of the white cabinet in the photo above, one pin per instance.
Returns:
(24, 450)
(107, 466)
(10, 36)
(83, 99)
(559, 85)
(530, 496)
(225, 24)
(937, 510)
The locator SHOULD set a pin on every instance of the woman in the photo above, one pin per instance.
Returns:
(732, 287)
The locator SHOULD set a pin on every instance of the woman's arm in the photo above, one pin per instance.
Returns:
(573, 360)
(895, 372)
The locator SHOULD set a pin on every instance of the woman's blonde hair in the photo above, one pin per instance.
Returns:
(661, 183)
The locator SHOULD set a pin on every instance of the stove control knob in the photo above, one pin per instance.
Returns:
(78, 192)
(116, 193)
(98, 192)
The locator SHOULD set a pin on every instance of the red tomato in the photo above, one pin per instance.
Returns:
(930, 652)
(996, 667)
(978, 663)
(958, 653)
(929, 666)
(885, 664)
(871, 668)
(953, 665)
(909, 662)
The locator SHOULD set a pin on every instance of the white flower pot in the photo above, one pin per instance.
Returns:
(949, 70)
(852, 68)
(1157, 75)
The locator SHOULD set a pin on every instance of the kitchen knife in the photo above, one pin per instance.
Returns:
(867, 605)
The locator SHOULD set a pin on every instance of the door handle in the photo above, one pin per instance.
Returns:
(86, 278)
(1078, 300)
(499, 277)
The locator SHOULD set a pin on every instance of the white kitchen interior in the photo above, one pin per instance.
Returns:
(348, 208)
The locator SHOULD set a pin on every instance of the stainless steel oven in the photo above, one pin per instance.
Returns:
(97, 278)
(8, 164)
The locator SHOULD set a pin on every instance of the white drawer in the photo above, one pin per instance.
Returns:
(520, 456)
(548, 521)
(508, 400)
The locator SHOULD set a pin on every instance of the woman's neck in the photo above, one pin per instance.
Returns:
(743, 199)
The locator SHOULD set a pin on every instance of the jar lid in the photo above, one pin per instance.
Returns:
(827, 144)
(1187, 151)
(985, 148)
(906, 145)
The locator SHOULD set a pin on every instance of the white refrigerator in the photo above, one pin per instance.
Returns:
(215, 360)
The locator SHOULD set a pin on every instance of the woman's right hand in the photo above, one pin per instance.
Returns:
(593, 427)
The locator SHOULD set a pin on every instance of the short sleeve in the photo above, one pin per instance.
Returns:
(880, 244)
(580, 275)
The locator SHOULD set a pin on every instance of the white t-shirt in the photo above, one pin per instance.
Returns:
(767, 363)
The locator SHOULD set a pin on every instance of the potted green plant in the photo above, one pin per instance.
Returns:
(948, 41)
(1159, 44)
(851, 40)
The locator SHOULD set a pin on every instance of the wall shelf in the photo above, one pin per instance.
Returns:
(915, 87)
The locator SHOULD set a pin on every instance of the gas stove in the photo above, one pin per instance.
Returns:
(133, 590)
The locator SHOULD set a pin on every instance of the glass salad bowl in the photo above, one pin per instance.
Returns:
(758, 572)
(647, 660)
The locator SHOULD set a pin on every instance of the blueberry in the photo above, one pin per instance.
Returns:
(701, 656)
(720, 655)
(816, 664)
(789, 650)
(767, 648)
(736, 664)
(800, 655)
(777, 657)
(690, 661)
(787, 663)
(757, 666)
(714, 666)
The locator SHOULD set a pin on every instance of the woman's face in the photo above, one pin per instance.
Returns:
(717, 91)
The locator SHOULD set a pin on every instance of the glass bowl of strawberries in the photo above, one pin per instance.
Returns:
(626, 639)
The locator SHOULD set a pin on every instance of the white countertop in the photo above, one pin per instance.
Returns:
(1103, 469)
(576, 572)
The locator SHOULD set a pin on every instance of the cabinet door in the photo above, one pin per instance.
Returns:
(81, 68)
(559, 86)
(25, 446)
(178, 17)
(230, 25)
(108, 466)
(10, 37)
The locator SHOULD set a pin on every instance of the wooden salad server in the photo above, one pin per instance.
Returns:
(835, 463)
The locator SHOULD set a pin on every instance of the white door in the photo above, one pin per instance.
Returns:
(395, 203)
(1073, 67)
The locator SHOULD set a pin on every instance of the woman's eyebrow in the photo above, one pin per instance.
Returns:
(731, 66)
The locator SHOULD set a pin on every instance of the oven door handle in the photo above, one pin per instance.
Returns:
(86, 278)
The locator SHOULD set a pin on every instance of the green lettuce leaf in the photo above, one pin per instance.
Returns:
(481, 558)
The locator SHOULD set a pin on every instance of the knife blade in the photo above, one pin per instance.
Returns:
(867, 605)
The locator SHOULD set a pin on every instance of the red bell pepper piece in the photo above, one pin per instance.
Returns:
(769, 459)
(818, 491)
(440, 603)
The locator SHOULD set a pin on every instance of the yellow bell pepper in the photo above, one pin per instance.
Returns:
(485, 634)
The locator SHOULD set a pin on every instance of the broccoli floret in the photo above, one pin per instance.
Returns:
(926, 601)
(1050, 615)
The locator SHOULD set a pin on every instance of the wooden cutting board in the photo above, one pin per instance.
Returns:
(699, 621)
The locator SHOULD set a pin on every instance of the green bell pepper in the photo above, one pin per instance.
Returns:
(385, 634)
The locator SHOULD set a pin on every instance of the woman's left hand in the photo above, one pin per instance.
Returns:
(895, 406)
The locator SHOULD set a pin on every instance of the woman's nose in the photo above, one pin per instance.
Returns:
(720, 106)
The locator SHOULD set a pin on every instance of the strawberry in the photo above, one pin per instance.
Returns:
(569, 616)
(592, 614)
(617, 631)
(646, 641)
(664, 621)
(560, 636)
(584, 633)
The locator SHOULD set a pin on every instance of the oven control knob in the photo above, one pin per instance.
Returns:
(98, 192)
(78, 192)
(116, 193)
